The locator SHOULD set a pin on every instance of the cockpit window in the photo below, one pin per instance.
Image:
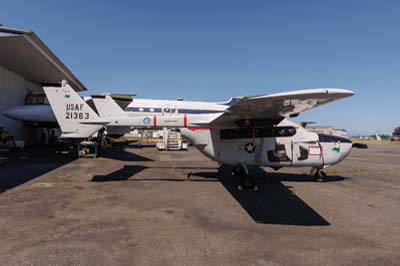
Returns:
(332, 138)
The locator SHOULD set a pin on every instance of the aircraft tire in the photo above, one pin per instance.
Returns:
(320, 176)
(239, 170)
(248, 183)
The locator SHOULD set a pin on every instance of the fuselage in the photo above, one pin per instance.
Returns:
(286, 145)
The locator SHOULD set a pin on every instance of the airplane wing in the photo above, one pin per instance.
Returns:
(270, 109)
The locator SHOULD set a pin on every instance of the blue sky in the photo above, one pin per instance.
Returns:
(211, 50)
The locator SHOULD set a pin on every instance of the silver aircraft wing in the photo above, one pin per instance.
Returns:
(272, 108)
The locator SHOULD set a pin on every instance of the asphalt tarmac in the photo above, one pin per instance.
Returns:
(137, 207)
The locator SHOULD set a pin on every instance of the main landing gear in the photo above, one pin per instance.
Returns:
(246, 182)
(319, 175)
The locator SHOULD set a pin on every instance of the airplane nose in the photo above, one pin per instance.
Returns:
(12, 113)
(31, 113)
(346, 149)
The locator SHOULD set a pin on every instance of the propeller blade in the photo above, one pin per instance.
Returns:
(360, 146)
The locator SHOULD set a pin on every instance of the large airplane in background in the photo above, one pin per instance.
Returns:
(42, 114)
(249, 131)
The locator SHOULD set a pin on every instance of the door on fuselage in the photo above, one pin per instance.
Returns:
(307, 154)
(272, 145)
(277, 152)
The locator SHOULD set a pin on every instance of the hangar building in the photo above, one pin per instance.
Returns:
(26, 64)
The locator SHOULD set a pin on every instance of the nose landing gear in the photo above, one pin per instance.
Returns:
(246, 182)
(319, 175)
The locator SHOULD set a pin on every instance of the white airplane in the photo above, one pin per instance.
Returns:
(251, 131)
(42, 114)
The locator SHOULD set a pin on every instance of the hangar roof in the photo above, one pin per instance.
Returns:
(22, 52)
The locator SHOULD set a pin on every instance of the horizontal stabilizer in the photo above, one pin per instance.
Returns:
(108, 108)
(95, 122)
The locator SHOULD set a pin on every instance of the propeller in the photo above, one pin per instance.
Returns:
(360, 146)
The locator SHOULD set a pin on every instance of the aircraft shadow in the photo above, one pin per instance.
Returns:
(127, 173)
(301, 177)
(122, 174)
(120, 154)
(273, 203)
(26, 165)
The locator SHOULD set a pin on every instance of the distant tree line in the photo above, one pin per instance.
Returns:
(396, 132)
(384, 137)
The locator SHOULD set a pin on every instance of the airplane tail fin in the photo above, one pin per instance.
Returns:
(74, 116)
(107, 107)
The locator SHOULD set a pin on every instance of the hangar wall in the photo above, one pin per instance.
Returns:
(13, 89)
